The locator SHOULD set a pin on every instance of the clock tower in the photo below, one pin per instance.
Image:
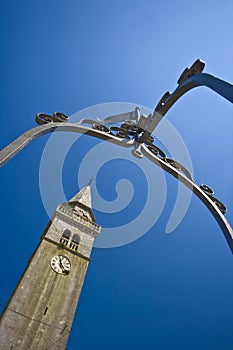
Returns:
(40, 311)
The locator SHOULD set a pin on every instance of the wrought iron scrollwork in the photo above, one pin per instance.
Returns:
(210, 193)
(120, 132)
(57, 117)
(100, 127)
(128, 130)
(162, 155)
(156, 151)
(207, 190)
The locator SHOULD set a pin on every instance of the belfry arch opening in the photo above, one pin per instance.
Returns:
(67, 234)
(75, 242)
(65, 237)
(69, 240)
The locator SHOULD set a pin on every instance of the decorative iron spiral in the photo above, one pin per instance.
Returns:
(57, 117)
(157, 151)
(100, 127)
(210, 193)
(121, 132)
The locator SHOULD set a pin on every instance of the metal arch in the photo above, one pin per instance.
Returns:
(190, 78)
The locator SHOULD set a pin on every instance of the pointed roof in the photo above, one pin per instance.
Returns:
(83, 196)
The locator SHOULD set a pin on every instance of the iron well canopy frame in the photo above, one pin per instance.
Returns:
(136, 131)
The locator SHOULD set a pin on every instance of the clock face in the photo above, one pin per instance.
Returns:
(60, 264)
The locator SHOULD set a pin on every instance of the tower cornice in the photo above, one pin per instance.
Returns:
(75, 220)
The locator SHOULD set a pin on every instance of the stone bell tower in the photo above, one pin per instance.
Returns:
(40, 311)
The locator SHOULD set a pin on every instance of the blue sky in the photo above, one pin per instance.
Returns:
(161, 291)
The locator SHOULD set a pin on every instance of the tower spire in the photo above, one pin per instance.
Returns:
(83, 196)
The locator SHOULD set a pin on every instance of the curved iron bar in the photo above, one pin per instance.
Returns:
(190, 78)
(222, 87)
(22, 141)
(198, 191)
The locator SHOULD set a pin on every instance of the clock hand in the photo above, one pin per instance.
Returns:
(62, 264)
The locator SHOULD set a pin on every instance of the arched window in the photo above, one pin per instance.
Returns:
(75, 242)
(66, 234)
(65, 237)
(76, 239)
